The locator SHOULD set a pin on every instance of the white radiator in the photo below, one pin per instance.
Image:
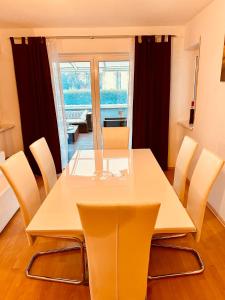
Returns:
(8, 202)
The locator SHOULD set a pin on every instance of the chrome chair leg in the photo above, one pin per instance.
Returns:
(81, 247)
(86, 280)
(170, 275)
(168, 236)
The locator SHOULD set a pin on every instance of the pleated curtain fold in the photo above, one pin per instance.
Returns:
(151, 99)
(36, 101)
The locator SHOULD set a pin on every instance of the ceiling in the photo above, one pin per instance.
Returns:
(97, 13)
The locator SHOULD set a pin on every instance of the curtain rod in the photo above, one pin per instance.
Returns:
(97, 36)
(101, 36)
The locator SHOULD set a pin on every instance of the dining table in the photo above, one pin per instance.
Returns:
(126, 175)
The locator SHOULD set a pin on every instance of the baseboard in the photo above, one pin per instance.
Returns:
(222, 221)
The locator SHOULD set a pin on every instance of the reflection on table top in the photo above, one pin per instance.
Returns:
(109, 175)
(100, 164)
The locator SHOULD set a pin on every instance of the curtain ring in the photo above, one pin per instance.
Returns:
(158, 38)
(139, 39)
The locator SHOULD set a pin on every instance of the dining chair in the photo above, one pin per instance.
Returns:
(182, 165)
(184, 158)
(118, 266)
(21, 178)
(115, 137)
(205, 173)
(45, 162)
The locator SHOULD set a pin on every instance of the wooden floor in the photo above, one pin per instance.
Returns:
(15, 254)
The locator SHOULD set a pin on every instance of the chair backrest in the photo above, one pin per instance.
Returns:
(43, 157)
(21, 178)
(115, 137)
(204, 175)
(183, 161)
(118, 239)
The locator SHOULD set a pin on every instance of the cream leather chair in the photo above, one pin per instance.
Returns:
(183, 161)
(205, 173)
(118, 266)
(43, 157)
(115, 137)
(21, 178)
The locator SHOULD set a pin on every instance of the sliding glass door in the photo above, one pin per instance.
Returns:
(77, 93)
(96, 94)
(114, 86)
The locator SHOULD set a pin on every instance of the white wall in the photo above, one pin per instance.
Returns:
(9, 109)
(209, 127)
(92, 46)
(181, 94)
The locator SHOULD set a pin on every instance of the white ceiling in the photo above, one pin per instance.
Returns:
(97, 13)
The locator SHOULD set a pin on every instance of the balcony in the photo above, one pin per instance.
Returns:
(80, 134)
(81, 100)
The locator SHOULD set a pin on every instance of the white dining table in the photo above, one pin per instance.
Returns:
(109, 175)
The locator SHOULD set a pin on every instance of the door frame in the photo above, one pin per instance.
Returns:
(94, 59)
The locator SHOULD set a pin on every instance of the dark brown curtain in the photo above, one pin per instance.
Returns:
(37, 109)
(152, 96)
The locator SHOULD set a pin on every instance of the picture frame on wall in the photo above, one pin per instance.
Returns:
(222, 78)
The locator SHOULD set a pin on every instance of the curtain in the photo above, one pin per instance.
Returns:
(152, 96)
(36, 101)
(59, 99)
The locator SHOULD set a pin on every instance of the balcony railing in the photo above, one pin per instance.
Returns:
(108, 111)
(89, 106)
